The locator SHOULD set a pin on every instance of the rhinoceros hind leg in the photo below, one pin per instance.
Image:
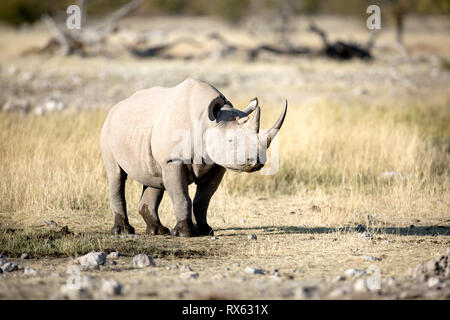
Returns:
(117, 179)
(148, 209)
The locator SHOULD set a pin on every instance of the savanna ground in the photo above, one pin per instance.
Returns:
(363, 143)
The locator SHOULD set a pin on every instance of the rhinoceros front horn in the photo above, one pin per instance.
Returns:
(272, 132)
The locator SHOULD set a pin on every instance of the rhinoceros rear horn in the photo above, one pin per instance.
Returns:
(214, 108)
(251, 106)
(253, 124)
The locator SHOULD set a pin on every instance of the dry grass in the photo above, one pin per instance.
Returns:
(332, 155)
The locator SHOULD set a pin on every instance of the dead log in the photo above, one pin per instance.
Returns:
(341, 50)
(87, 39)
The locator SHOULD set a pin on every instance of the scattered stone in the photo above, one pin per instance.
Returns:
(48, 223)
(214, 238)
(339, 279)
(142, 261)
(360, 286)
(242, 221)
(25, 256)
(189, 275)
(114, 255)
(2, 260)
(173, 266)
(339, 292)
(432, 267)
(354, 273)
(20, 105)
(276, 275)
(92, 260)
(128, 236)
(110, 263)
(9, 267)
(153, 272)
(186, 267)
(390, 282)
(254, 270)
(434, 282)
(252, 237)
(30, 272)
(371, 258)
(306, 292)
(111, 287)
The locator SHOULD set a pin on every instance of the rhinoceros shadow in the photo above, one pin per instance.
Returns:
(402, 231)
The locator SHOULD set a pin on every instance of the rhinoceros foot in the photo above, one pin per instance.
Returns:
(157, 230)
(122, 230)
(184, 228)
(203, 230)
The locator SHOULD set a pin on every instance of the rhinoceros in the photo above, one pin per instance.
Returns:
(137, 141)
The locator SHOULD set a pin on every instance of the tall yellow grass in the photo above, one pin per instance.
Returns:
(53, 162)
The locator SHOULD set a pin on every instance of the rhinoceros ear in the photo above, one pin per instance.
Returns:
(214, 108)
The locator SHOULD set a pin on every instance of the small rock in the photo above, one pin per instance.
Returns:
(30, 272)
(360, 286)
(252, 237)
(25, 256)
(92, 259)
(189, 275)
(214, 238)
(297, 270)
(48, 223)
(371, 258)
(434, 282)
(153, 272)
(142, 261)
(390, 282)
(217, 276)
(254, 270)
(276, 275)
(242, 221)
(432, 267)
(173, 266)
(9, 267)
(111, 287)
(306, 292)
(339, 279)
(354, 273)
(114, 255)
(419, 272)
(2, 260)
(339, 292)
(186, 267)
(110, 263)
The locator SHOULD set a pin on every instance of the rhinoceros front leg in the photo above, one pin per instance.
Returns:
(148, 209)
(175, 179)
(117, 179)
(206, 187)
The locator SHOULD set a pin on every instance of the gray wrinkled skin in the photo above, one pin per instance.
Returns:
(136, 141)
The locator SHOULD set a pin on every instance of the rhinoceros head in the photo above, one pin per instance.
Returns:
(233, 139)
